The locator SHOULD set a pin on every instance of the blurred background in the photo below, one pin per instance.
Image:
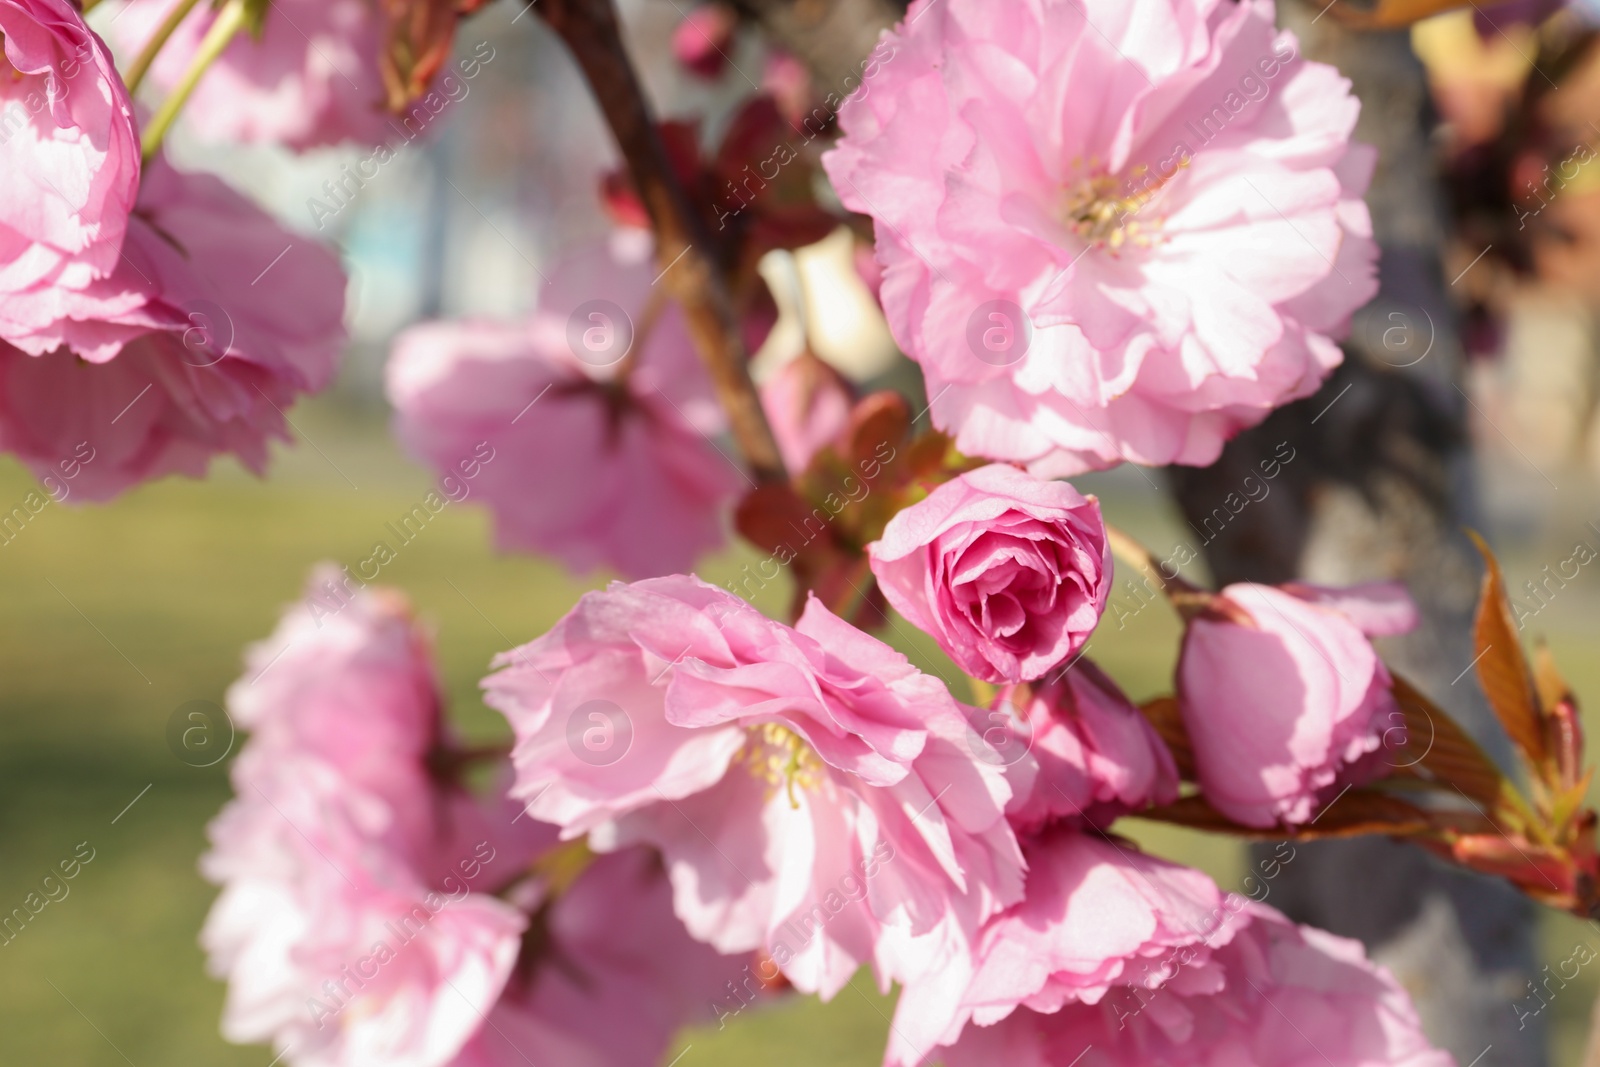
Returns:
(117, 615)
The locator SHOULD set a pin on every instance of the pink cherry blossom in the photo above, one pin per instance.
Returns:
(334, 945)
(808, 405)
(346, 684)
(1098, 915)
(70, 152)
(347, 677)
(1009, 573)
(1098, 755)
(813, 795)
(597, 411)
(312, 78)
(214, 321)
(1289, 996)
(1285, 700)
(375, 913)
(355, 926)
(1111, 229)
(1117, 959)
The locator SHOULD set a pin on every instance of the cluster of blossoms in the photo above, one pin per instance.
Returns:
(1136, 279)
(376, 910)
(694, 787)
(148, 317)
(1107, 230)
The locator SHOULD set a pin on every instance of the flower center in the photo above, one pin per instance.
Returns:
(1100, 211)
(781, 757)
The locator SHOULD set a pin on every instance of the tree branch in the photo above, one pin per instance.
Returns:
(691, 266)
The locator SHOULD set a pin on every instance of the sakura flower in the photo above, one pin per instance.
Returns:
(1007, 572)
(213, 322)
(813, 795)
(1116, 959)
(311, 78)
(1284, 698)
(336, 947)
(1097, 915)
(1110, 229)
(357, 924)
(375, 913)
(70, 153)
(597, 411)
(1098, 755)
(347, 677)
(1274, 995)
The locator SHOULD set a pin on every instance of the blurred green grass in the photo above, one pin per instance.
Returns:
(115, 615)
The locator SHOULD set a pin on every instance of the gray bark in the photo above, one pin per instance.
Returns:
(1381, 488)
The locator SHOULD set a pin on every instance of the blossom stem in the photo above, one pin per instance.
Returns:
(1187, 598)
(229, 22)
(1131, 552)
(687, 254)
(563, 864)
(152, 48)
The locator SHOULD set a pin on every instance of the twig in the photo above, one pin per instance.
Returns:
(695, 277)
(229, 22)
(158, 40)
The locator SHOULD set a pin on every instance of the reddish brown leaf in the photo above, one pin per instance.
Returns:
(1434, 742)
(878, 419)
(850, 591)
(773, 517)
(761, 181)
(1164, 716)
(1502, 668)
(932, 455)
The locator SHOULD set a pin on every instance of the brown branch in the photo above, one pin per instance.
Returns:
(689, 261)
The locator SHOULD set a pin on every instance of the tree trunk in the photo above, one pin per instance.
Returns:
(1381, 487)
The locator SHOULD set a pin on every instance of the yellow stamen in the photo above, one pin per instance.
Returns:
(1103, 215)
(780, 756)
